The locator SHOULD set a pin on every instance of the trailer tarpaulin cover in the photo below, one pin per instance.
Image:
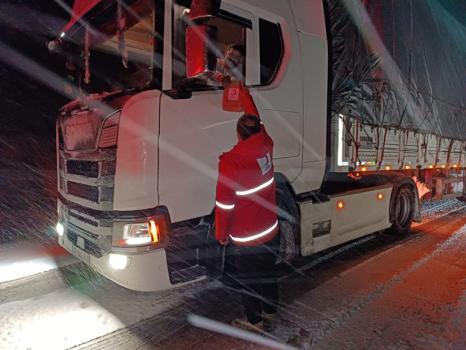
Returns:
(400, 63)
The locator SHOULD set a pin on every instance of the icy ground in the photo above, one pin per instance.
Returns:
(367, 294)
(434, 209)
(379, 293)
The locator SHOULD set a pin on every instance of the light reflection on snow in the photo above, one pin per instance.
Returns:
(56, 321)
(22, 269)
(26, 259)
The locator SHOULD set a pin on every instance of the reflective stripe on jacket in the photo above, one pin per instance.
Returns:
(245, 200)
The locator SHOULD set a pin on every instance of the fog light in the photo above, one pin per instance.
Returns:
(60, 229)
(118, 261)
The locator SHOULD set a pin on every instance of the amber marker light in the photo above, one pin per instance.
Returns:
(364, 168)
(455, 166)
(443, 166)
(407, 167)
(431, 166)
(154, 232)
(380, 196)
(340, 205)
(387, 168)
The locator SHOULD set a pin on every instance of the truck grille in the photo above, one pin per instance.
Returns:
(83, 168)
(88, 176)
(90, 193)
(89, 247)
(86, 220)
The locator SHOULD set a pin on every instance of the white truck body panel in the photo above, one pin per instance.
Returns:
(136, 275)
(137, 163)
(362, 213)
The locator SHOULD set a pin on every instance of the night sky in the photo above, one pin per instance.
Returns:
(27, 106)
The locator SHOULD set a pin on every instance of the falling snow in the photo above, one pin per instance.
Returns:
(379, 292)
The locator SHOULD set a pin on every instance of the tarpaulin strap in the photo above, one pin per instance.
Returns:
(418, 144)
(382, 152)
(357, 145)
(463, 147)
(353, 139)
(404, 145)
(425, 145)
(450, 147)
(439, 144)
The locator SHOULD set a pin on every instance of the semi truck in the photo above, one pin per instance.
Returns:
(364, 101)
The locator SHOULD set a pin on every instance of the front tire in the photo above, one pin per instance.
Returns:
(288, 219)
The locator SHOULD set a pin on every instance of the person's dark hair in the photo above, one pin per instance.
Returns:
(237, 47)
(247, 126)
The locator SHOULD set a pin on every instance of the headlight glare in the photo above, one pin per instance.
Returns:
(118, 261)
(60, 229)
(140, 233)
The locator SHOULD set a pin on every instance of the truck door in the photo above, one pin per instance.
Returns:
(194, 129)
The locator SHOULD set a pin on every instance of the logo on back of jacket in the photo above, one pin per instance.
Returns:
(265, 163)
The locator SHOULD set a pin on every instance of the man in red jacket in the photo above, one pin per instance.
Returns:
(246, 217)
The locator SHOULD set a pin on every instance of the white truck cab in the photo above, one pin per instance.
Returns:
(137, 159)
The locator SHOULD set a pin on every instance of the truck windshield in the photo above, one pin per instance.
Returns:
(121, 44)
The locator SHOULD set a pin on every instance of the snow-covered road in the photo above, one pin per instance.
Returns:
(380, 292)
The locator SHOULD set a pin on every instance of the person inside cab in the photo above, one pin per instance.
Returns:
(230, 67)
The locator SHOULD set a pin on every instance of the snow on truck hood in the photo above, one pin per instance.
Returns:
(80, 121)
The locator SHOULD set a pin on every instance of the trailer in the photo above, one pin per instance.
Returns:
(360, 116)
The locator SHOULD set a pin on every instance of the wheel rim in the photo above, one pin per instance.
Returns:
(403, 209)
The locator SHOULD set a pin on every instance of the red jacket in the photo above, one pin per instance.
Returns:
(245, 201)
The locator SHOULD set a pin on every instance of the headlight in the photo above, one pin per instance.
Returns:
(60, 229)
(149, 230)
(141, 233)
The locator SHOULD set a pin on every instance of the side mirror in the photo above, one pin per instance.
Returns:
(201, 60)
(203, 8)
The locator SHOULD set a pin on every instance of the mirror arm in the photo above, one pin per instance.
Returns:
(180, 92)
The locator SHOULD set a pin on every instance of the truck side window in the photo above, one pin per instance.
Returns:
(271, 50)
(228, 46)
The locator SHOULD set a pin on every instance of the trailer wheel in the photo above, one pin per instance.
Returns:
(288, 219)
(402, 211)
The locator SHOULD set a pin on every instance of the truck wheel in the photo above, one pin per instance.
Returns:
(402, 211)
(288, 219)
